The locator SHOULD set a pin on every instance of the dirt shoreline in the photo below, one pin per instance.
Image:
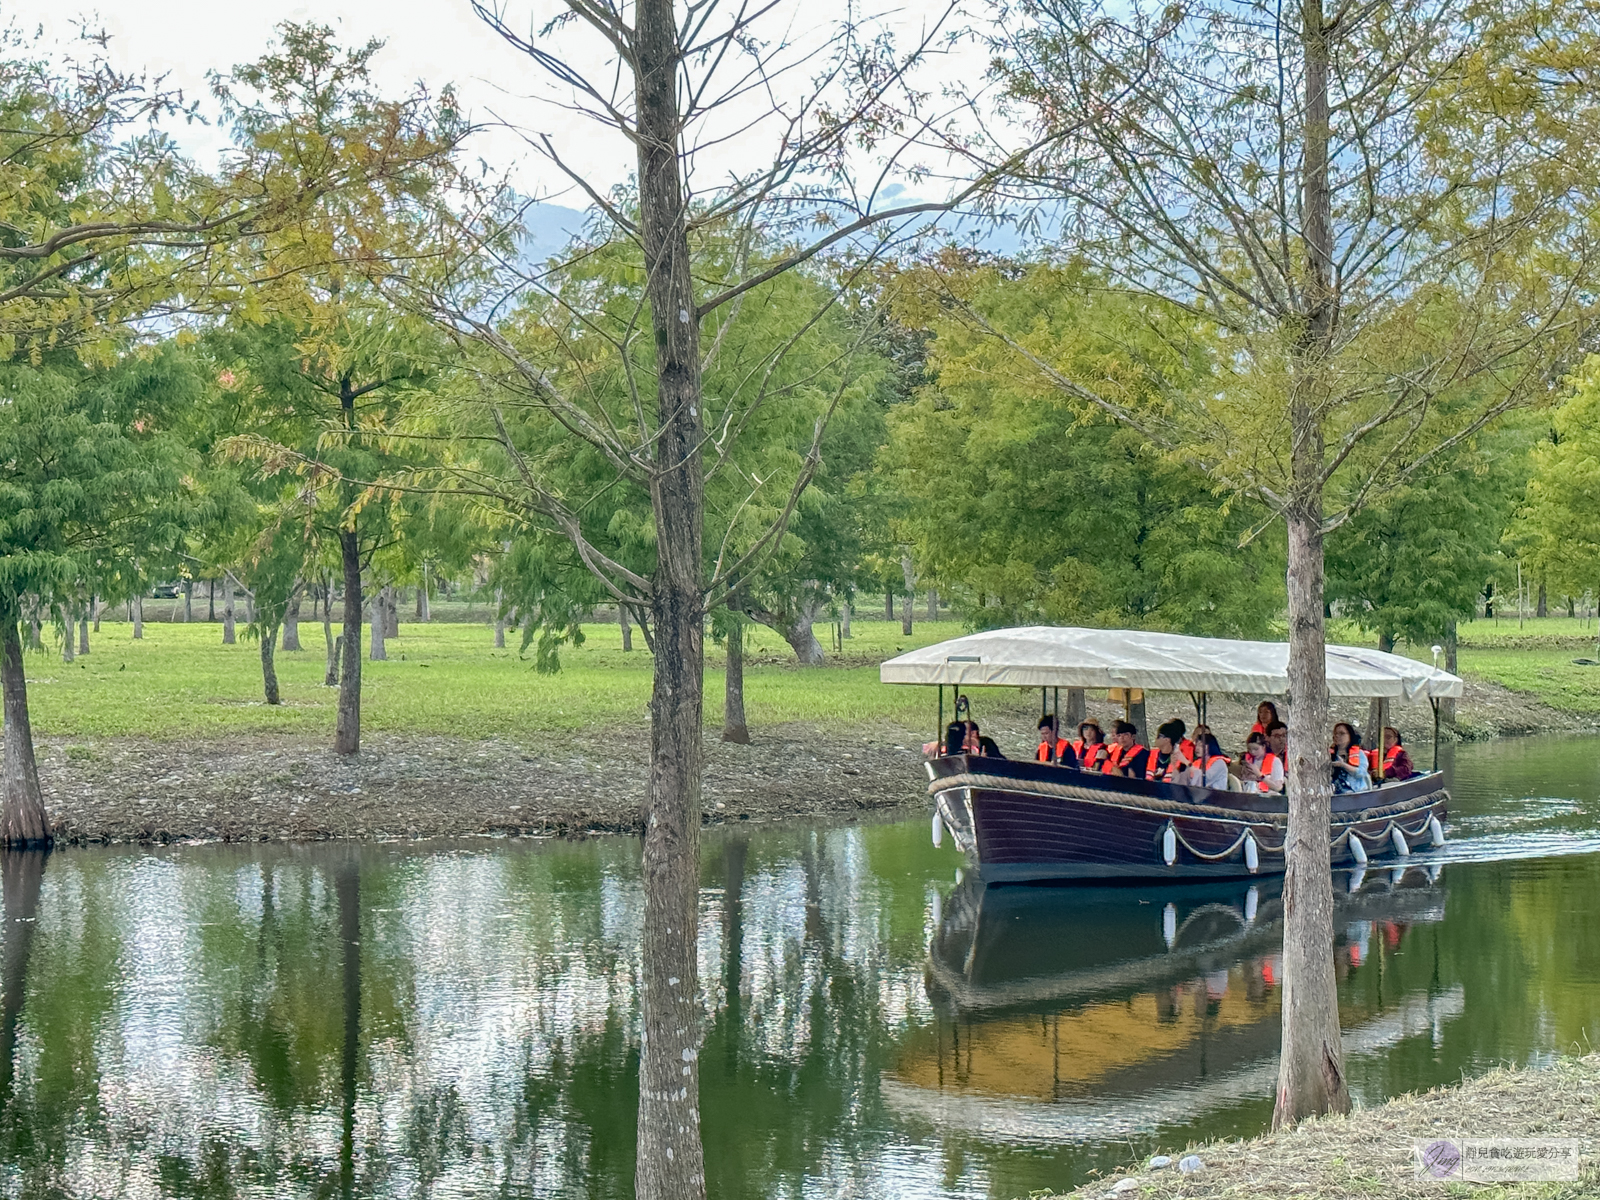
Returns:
(287, 788)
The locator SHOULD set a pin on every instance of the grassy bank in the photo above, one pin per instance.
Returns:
(1534, 656)
(1370, 1152)
(444, 679)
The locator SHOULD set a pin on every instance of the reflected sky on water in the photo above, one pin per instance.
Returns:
(459, 1021)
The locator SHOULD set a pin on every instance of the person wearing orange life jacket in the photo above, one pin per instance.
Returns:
(1266, 714)
(1052, 748)
(1090, 746)
(1260, 770)
(1167, 758)
(1396, 762)
(1349, 759)
(1127, 756)
(1208, 767)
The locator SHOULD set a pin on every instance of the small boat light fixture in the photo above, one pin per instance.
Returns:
(1252, 856)
(1169, 844)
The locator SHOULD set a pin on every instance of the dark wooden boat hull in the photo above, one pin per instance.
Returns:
(1024, 822)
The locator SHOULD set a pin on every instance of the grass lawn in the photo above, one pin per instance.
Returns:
(445, 678)
(1535, 656)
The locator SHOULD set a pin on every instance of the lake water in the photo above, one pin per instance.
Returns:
(399, 1021)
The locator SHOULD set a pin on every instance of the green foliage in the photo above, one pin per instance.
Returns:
(1413, 564)
(1041, 511)
(92, 483)
(1558, 527)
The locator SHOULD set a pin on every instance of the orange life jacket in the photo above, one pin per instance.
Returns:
(1388, 759)
(1268, 761)
(1118, 755)
(1187, 746)
(1052, 753)
(1177, 761)
(1086, 752)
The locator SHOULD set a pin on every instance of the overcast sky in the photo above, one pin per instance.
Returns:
(436, 41)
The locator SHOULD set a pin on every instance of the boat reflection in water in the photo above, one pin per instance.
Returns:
(1085, 1013)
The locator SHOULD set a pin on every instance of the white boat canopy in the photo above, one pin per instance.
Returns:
(1047, 656)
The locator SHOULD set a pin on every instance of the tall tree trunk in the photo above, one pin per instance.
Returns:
(844, 620)
(95, 607)
(911, 593)
(291, 616)
(627, 628)
(1311, 1077)
(22, 816)
(331, 675)
(1452, 645)
(138, 618)
(499, 621)
(734, 728)
(188, 601)
(35, 626)
(228, 631)
(424, 612)
(933, 604)
(347, 733)
(888, 604)
(69, 622)
(83, 632)
(380, 626)
(1542, 609)
(269, 668)
(670, 1159)
(23, 879)
(391, 611)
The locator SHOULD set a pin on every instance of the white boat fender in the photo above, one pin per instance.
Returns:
(1252, 856)
(1358, 850)
(1169, 924)
(1436, 831)
(1169, 844)
(1399, 839)
(1252, 901)
(938, 828)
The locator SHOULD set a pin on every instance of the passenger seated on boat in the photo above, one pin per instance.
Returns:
(1396, 762)
(1266, 714)
(980, 745)
(1127, 757)
(1168, 759)
(1348, 759)
(1260, 770)
(1090, 746)
(1209, 766)
(1278, 742)
(1052, 747)
(955, 738)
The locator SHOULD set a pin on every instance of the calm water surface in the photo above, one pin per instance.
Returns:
(452, 1022)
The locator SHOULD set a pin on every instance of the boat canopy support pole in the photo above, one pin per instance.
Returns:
(1434, 700)
(938, 734)
(1044, 702)
(1199, 699)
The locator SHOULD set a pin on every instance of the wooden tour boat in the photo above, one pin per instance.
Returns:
(1025, 821)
